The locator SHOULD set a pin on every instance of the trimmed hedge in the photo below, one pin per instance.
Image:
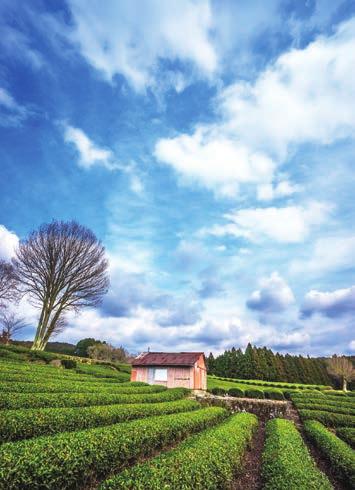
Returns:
(286, 461)
(340, 456)
(329, 419)
(218, 391)
(236, 392)
(82, 387)
(326, 408)
(43, 400)
(26, 423)
(207, 461)
(348, 435)
(77, 459)
(254, 393)
(274, 384)
(274, 394)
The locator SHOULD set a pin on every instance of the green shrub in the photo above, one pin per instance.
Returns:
(274, 394)
(254, 393)
(340, 456)
(236, 392)
(43, 400)
(286, 461)
(68, 386)
(207, 461)
(27, 423)
(348, 435)
(77, 459)
(327, 418)
(68, 363)
(326, 408)
(218, 391)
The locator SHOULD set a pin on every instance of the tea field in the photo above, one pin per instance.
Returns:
(89, 428)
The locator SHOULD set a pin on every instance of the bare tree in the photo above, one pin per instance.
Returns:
(62, 267)
(342, 368)
(8, 283)
(106, 352)
(11, 324)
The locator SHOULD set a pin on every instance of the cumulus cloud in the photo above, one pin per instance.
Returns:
(114, 40)
(8, 243)
(331, 304)
(306, 95)
(290, 224)
(284, 188)
(274, 295)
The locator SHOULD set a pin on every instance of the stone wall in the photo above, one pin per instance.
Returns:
(264, 409)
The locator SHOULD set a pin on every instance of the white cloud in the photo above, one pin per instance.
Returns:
(213, 159)
(306, 95)
(352, 345)
(274, 295)
(332, 253)
(114, 39)
(8, 243)
(331, 304)
(89, 153)
(289, 224)
(11, 112)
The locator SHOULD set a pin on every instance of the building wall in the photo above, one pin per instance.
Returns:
(193, 377)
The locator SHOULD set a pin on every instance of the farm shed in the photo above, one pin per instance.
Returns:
(171, 369)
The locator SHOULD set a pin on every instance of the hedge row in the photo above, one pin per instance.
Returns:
(72, 387)
(206, 461)
(325, 400)
(325, 408)
(274, 384)
(271, 394)
(340, 456)
(27, 423)
(43, 400)
(29, 377)
(328, 418)
(76, 459)
(348, 435)
(286, 461)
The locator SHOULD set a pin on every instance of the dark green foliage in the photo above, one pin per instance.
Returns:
(68, 363)
(43, 400)
(262, 364)
(254, 393)
(207, 461)
(286, 462)
(27, 423)
(339, 454)
(81, 348)
(273, 394)
(76, 459)
(348, 435)
(218, 391)
(328, 418)
(236, 392)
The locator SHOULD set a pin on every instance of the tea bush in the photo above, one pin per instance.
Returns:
(339, 454)
(207, 461)
(27, 423)
(348, 435)
(329, 419)
(286, 461)
(75, 459)
(43, 400)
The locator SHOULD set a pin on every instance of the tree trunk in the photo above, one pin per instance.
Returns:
(345, 387)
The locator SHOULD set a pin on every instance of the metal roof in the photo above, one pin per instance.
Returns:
(167, 359)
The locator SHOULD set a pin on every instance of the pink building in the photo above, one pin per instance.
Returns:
(184, 369)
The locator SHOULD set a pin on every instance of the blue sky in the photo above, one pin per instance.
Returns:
(209, 145)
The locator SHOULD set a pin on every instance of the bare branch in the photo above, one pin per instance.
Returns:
(8, 283)
(11, 324)
(61, 267)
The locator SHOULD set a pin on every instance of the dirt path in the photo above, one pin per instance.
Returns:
(250, 479)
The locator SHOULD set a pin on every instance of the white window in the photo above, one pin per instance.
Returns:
(161, 375)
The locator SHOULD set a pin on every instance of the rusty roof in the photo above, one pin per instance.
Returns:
(167, 359)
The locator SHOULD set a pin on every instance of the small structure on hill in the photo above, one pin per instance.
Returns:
(171, 369)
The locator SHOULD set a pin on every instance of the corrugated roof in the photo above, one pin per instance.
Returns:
(167, 359)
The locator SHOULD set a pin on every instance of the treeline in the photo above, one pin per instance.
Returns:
(261, 363)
